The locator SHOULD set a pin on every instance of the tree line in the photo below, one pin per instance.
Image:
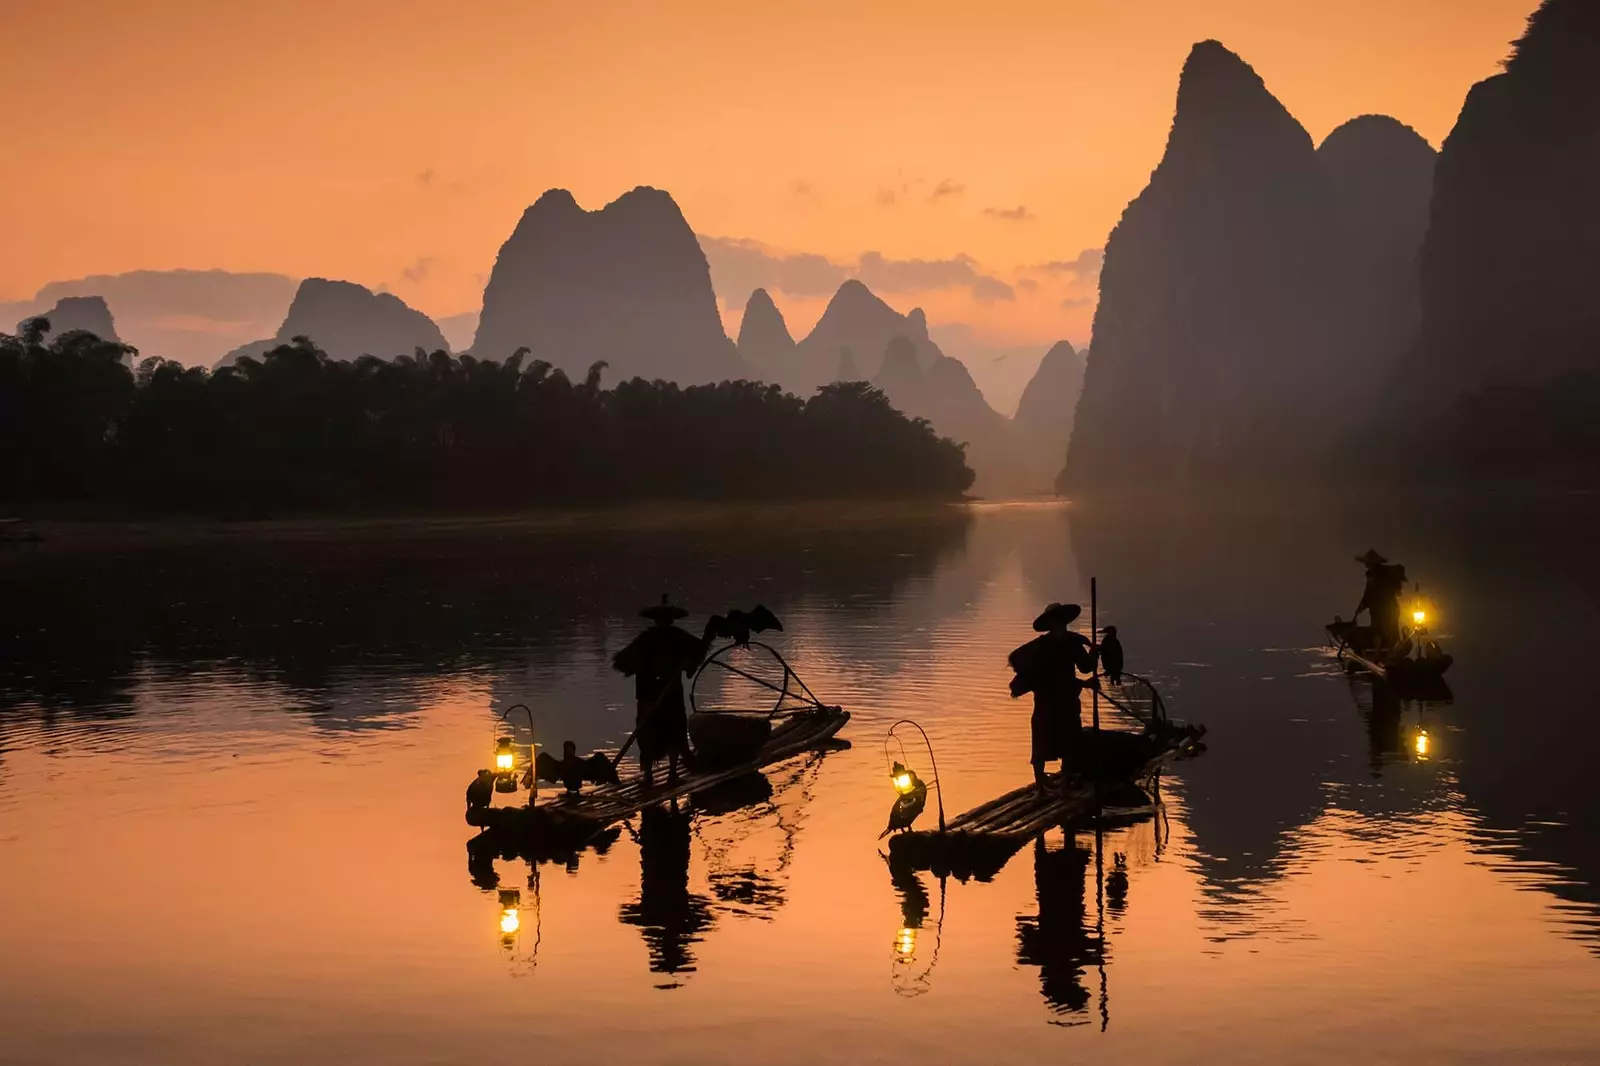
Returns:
(298, 432)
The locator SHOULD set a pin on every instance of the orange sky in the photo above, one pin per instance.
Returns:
(396, 143)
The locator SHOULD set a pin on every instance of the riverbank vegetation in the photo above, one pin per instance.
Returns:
(297, 432)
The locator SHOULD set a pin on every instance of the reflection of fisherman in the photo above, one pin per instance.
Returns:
(1381, 598)
(657, 659)
(1048, 667)
(670, 917)
(1057, 940)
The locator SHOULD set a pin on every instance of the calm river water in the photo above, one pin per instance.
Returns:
(231, 781)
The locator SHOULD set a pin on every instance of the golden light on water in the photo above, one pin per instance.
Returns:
(510, 921)
(905, 942)
(1423, 744)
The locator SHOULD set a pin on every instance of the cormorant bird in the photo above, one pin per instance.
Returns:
(481, 792)
(913, 798)
(572, 771)
(738, 625)
(1111, 654)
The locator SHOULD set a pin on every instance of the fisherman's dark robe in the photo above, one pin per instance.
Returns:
(1381, 597)
(1048, 667)
(657, 660)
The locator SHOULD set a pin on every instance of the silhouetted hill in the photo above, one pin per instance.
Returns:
(1211, 357)
(458, 329)
(1380, 173)
(856, 319)
(764, 340)
(923, 382)
(627, 284)
(1508, 264)
(347, 321)
(193, 316)
(87, 313)
(1043, 422)
(1503, 382)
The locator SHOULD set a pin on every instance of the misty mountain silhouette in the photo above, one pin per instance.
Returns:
(1042, 425)
(192, 316)
(87, 313)
(627, 284)
(1380, 173)
(923, 382)
(1507, 267)
(1221, 342)
(857, 319)
(764, 340)
(348, 321)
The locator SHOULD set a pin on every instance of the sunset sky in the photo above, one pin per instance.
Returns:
(396, 143)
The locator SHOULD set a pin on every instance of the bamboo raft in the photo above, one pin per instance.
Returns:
(565, 821)
(1404, 671)
(978, 842)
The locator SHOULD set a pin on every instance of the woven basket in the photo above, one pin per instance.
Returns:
(727, 739)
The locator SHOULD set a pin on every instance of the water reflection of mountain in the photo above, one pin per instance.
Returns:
(366, 621)
(1237, 605)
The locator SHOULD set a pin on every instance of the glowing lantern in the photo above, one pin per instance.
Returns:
(1423, 744)
(510, 916)
(505, 764)
(1419, 616)
(905, 943)
(904, 780)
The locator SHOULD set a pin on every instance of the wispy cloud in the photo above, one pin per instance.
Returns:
(1085, 267)
(1020, 213)
(739, 266)
(419, 269)
(917, 275)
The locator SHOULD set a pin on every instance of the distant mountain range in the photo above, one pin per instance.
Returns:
(348, 321)
(627, 284)
(1270, 310)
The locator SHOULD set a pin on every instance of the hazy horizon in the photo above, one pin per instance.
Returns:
(954, 161)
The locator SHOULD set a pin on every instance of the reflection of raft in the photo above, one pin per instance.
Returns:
(978, 842)
(565, 821)
(1356, 645)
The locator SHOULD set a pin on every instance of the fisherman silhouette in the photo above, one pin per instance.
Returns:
(670, 917)
(1381, 598)
(1111, 654)
(1048, 666)
(1055, 939)
(657, 659)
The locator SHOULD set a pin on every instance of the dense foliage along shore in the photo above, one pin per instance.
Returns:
(296, 432)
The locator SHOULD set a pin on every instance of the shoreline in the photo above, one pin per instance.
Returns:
(32, 535)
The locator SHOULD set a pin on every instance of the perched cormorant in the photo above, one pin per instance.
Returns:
(572, 771)
(738, 625)
(913, 798)
(481, 792)
(1111, 654)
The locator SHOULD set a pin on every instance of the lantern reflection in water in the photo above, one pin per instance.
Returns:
(510, 917)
